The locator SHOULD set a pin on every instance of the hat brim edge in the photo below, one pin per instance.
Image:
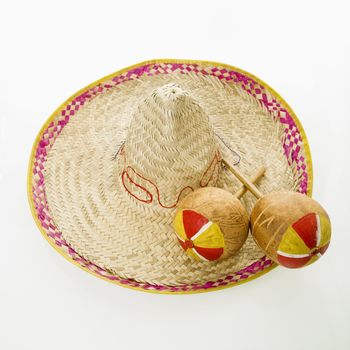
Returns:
(155, 61)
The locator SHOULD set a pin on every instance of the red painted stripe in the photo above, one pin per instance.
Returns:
(193, 222)
(323, 249)
(210, 253)
(183, 245)
(292, 263)
(306, 228)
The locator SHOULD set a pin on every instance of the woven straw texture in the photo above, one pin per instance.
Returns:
(114, 161)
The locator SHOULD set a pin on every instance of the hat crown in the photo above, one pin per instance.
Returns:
(170, 148)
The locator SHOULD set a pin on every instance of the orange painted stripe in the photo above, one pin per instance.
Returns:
(306, 228)
(292, 263)
(210, 253)
(193, 222)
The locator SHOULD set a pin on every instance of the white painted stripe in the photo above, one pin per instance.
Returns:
(203, 228)
(180, 238)
(318, 232)
(292, 255)
(199, 256)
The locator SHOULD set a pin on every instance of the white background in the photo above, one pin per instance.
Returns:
(49, 50)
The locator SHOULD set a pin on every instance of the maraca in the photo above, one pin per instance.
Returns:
(211, 223)
(292, 228)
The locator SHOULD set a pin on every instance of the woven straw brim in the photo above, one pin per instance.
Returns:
(80, 202)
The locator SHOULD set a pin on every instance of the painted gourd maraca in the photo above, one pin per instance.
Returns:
(292, 228)
(211, 224)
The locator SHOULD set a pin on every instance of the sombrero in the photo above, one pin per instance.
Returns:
(111, 164)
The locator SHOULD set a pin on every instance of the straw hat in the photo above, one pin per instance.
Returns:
(111, 164)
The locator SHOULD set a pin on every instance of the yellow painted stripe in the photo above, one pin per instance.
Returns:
(212, 237)
(179, 226)
(325, 230)
(193, 254)
(291, 243)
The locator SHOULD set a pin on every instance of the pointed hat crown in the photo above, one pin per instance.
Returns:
(170, 148)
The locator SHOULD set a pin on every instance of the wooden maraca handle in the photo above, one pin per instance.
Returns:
(247, 183)
(291, 228)
(256, 177)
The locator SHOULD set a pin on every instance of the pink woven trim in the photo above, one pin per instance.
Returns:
(292, 143)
